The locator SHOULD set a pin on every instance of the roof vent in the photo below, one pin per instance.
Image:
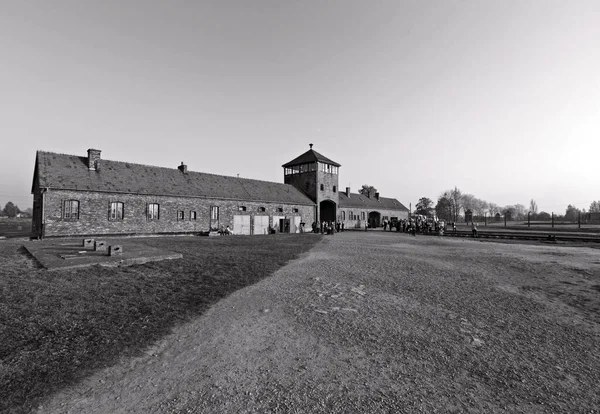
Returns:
(182, 168)
(310, 145)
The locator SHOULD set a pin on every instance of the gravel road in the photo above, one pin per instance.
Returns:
(380, 322)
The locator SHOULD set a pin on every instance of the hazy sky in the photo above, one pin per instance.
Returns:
(499, 98)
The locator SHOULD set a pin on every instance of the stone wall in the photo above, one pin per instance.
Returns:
(358, 222)
(94, 209)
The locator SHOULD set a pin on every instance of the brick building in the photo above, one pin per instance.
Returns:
(75, 195)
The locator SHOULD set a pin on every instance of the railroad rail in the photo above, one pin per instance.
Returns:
(526, 235)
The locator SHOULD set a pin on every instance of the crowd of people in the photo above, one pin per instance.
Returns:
(414, 225)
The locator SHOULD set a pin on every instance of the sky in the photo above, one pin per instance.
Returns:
(498, 98)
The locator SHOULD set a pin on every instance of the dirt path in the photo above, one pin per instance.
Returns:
(377, 323)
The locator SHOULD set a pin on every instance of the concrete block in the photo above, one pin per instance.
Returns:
(115, 250)
(100, 246)
(88, 243)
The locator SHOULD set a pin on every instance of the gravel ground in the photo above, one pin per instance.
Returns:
(380, 322)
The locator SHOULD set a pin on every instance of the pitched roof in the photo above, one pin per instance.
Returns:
(362, 201)
(62, 171)
(308, 157)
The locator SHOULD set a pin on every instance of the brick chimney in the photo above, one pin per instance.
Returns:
(93, 159)
(377, 196)
(182, 168)
(347, 191)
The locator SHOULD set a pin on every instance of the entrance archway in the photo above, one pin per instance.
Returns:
(327, 211)
(374, 219)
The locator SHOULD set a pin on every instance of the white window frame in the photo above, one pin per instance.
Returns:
(71, 209)
(214, 212)
(115, 208)
(153, 211)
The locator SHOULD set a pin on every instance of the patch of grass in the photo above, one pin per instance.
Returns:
(15, 227)
(58, 327)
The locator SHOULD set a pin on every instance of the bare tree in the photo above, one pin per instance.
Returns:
(493, 208)
(456, 197)
(468, 201)
(533, 208)
(520, 212)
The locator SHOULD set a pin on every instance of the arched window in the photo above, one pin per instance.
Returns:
(322, 187)
(334, 188)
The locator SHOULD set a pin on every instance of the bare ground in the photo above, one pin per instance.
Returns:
(380, 322)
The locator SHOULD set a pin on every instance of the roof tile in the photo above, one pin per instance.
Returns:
(62, 171)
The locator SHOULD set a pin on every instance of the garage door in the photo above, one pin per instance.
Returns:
(261, 225)
(241, 224)
(297, 220)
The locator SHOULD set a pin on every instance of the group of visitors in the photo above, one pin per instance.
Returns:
(225, 231)
(414, 225)
(327, 227)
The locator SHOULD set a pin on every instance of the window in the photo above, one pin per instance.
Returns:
(295, 210)
(214, 213)
(153, 211)
(242, 208)
(180, 215)
(71, 210)
(322, 187)
(343, 215)
(261, 209)
(116, 211)
(351, 216)
(362, 215)
(192, 215)
(280, 209)
(334, 188)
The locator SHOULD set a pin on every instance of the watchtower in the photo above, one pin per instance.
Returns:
(317, 177)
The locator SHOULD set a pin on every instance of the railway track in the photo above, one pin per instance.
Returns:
(527, 235)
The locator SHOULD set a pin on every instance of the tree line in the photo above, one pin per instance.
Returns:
(451, 205)
(12, 210)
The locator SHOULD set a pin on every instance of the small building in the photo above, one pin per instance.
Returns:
(469, 216)
(77, 196)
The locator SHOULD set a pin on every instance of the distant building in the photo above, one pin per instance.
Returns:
(76, 195)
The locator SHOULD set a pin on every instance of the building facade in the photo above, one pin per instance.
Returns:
(81, 196)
